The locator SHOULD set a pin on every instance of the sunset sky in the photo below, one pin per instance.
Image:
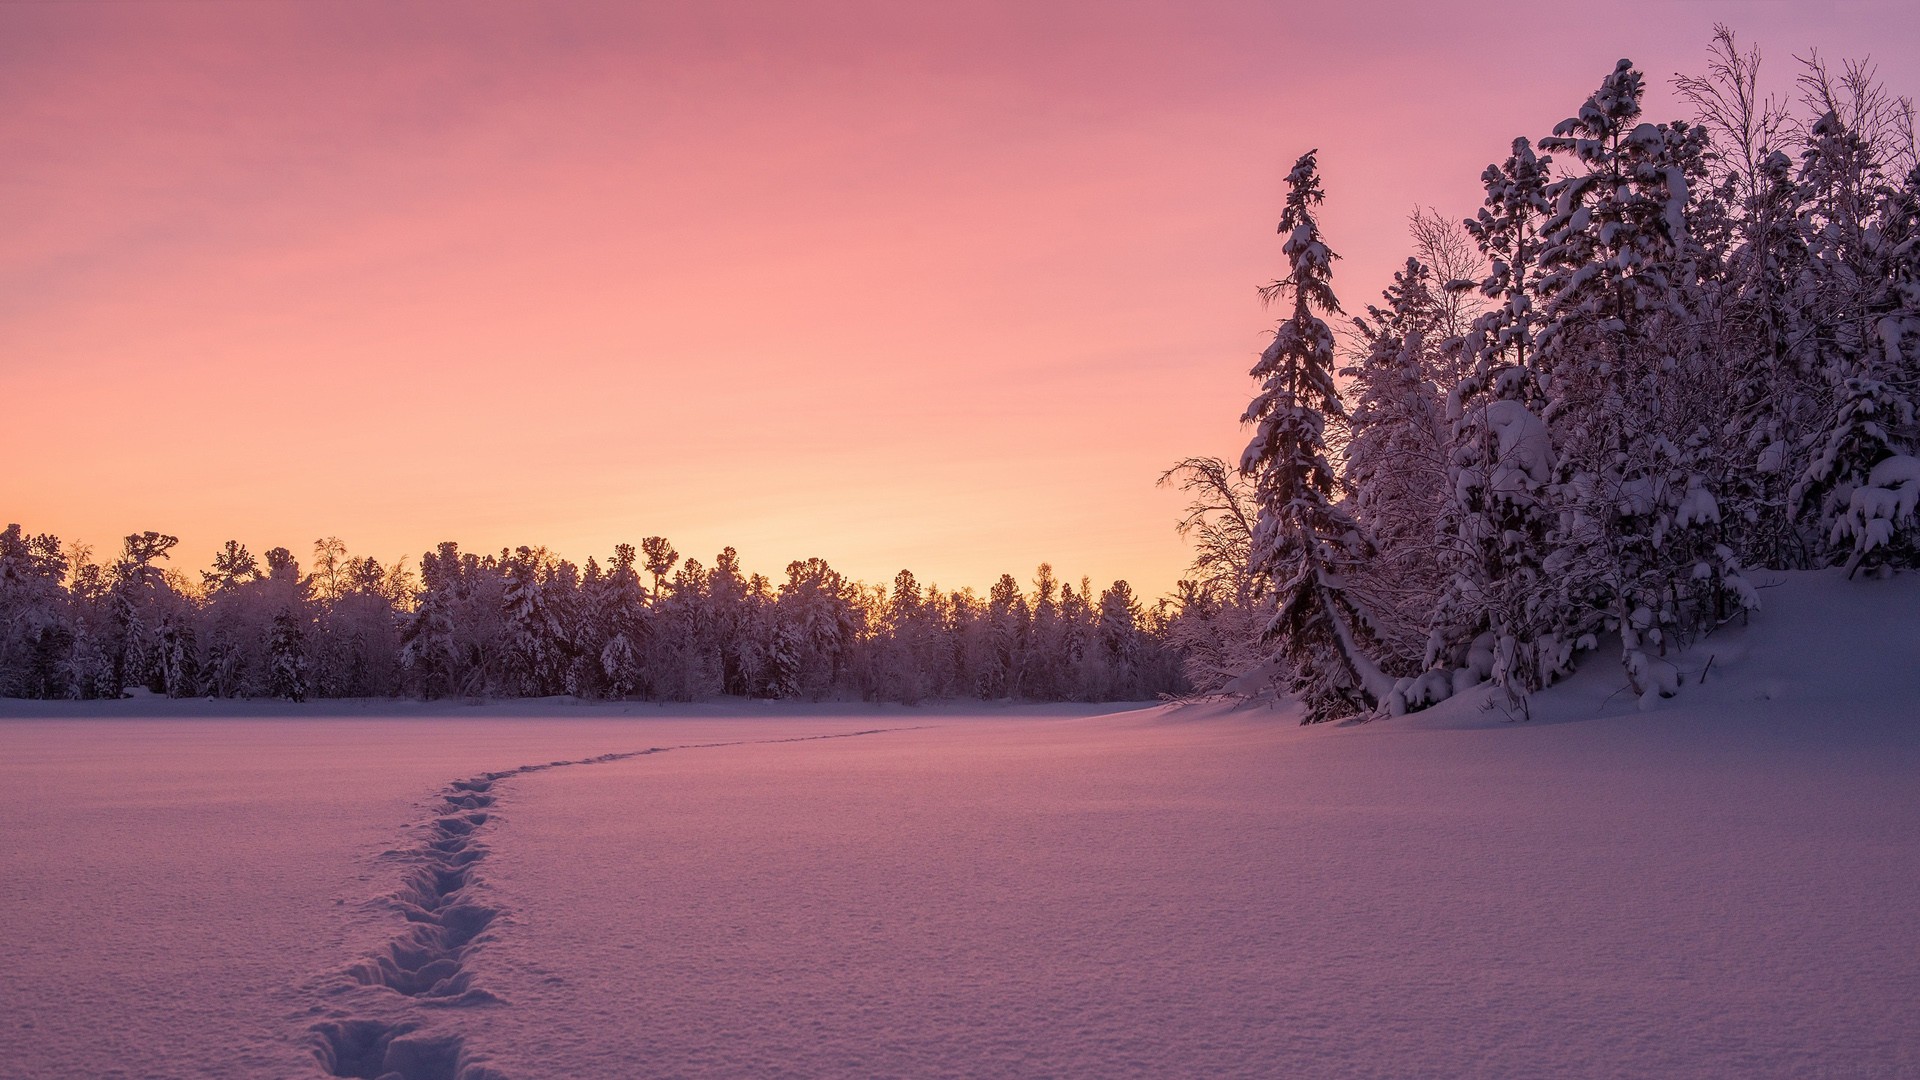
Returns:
(935, 286)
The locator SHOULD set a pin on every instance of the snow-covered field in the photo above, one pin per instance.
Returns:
(1724, 884)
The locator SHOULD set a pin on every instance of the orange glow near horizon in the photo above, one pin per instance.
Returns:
(942, 289)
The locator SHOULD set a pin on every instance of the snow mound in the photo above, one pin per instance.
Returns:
(1824, 649)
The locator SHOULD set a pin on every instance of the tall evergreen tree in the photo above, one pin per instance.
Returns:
(287, 657)
(1395, 465)
(428, 647)
(622, 616)
(1303, 540)
(36, 620)
(1639, 539)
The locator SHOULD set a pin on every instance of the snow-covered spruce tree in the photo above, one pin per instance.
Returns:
(89, 670)
(36, 622)
(1781, 391)
(1639, 544)
(814, 627)
(287, 594)
(732, 600)
(1496, 619)
(1120, 643)
(1776, 393)
(622, 617)
(586, 634)
(1303, 541)
(1839, 169)
(1008, 629)
(428, 649)
(569, 612)
(898, 672)
(1074, 644)
(1871, 455)
(137, 603)
(1044, 671)
(1395, 466)
(937, 658)
(179, 657)
(287, 657)
(1897, 307)
(534, 658)
(1855, 494)
(234, 622)
(691, 656)
(1880, 526)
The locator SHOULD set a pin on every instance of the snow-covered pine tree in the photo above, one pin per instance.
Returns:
(179, 658)
(1395, 466)
(586, 634)
(1639, 545)
(139, 592)
(1120, 645)
(1008, 630)
(1046, 650)
(1076, 635)
(816, 625)
(621, 664)
(535, 654)
(1776, 393)
(1303, 541)
(690, 654)
(661, 558)
(1497, 619)
(287, 657)
(787, 658)
(568, 612)
(89, 668)
(898, 671)
(1881, 524)
(1780, 388)
(1898, 314)
(623, 619)
(36, 621)
(730, 604)
(1855, 495)
(427, 643)
(233, 566)
(939, 656)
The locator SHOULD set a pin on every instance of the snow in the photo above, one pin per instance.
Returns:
(1697, 507)
(1719, 885)
(1525, 450)
(1876, 511)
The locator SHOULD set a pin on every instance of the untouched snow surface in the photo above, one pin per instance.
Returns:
(1723, 884)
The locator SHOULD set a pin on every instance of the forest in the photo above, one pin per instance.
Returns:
(525, 623)
(1665, 357)
(1660, 359)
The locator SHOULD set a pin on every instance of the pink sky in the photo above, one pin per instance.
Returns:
(942, 287)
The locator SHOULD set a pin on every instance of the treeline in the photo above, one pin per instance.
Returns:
(1659, 356)
(524, 622)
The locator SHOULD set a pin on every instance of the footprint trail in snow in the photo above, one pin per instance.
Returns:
(426, 961)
